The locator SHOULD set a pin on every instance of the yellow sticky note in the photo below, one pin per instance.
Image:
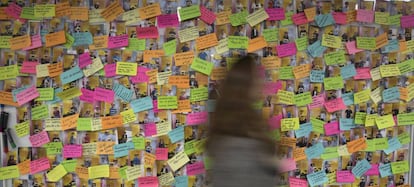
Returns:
(370, 120)
(98, 171)
(289, 124)
(385, 121)
(44, 10)
(56, 173)
(126, 68)
(9, 72)
(362, 96)
(375, 74)
(22, 129)
(285, 97)
(257, 17)
(343, 150)
(133, 173)
(178, 161)
(128, 116)
(42, 70)
(166, 179)
(331, 41)
(376, 95)
(9, 172)
(390, 70)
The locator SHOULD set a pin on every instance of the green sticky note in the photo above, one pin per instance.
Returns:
(9, 72)
(370, 146)
(329, 153)
(288, 19)
(317, 125)
(189, 147)
(5, 42)
(368, 43)
(70, 40)
(135, 44)
(202, 66)
(22, 129)
(167, 102)
(395, 19)
(406, 66)
(301, 43)
(382, 18)
(381, 143)
(333, 58)
(70, 165)
(170, 47)
(9, 172)
(404, 138)
(239, 18)
(400, 167)
(44, 10)
(189, 12)
(122, 172)
(286, 73)
(53, 148)
(46, 94)
(333, 83)
(303, 99)
(238, 42)
(405, 119)
(40, 112)
(360, 118)
(139, 143)
(84, 124)
(28, 13)
(199, 94)
(271, 35)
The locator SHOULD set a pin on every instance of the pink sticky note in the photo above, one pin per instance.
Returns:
(147, 32)
(287, 164)
(351, 48)
(317, 101)
(285, 50)
(27, 95)
(335, 105)
(197, 118)
(39, 165)
(345, 176)
(36, 42)
(87, 95)
(362, 73)
(110, 70)
(167, 20)
(14, 10)
(38, 140)
(195, 169)
(207, 15)
(274, 121)
(72, 151)
(294, 182)
(374, 170)
(150, 129)
(148, 182)
(29, 67)
(407, 21)
(395, 121)
(84, 60)
(276, 14)
(339, 17)
(299, 19)
(155, 105)
(118, 41)
(141, 75)
(366, 16)
(332, 128)
(271, 88)
(161, 154)
(101, 94)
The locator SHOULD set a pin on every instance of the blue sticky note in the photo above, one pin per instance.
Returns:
(304, 130)
(393, 144)
(317, 76)
(82, 38)
(56, 99)
(348, 71)
(385, 170)
(176, 134)
(314, 151)
(123, 92)
(393, 46)
(361, 168)
(348, 98)
(142, 104)
(346, 124)
(71, 75)
(181, 181)
(324, 20)
(121, 150)
(316, 49)
(17, 91)
(391, 94)
(211, 105)
(43, 33)
(317, 178)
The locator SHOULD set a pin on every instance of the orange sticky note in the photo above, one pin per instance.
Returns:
(82, 172)
(149, 159)
(381, 40)
(287, 141)
(271, 62)
(302, 71)
(105, 148)
(152, 75)
(110, 122)
(310, 13)
(79, 13)
(183, 106)
(20, 42)
(24, 167)
(356, 145)
(219, 73)
(4, 15)
(6, 98)
(112, 11)
(114, 173)
(180, 81)
(62, 9)
(99, 42)
(299, 154)
(351, 16)
(403, 93)
(150, 11)
(206, 41)
(149, 54)
(256, 44)
(56, 38)
(403, 45)
(185, 58)
(223, 17)
(69, 122)
(55, 69)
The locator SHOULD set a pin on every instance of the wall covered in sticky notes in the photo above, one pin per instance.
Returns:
(119, 93)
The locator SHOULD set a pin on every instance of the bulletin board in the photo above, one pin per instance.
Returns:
(119, 93)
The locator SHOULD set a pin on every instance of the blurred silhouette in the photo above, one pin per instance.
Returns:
(241, 149)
